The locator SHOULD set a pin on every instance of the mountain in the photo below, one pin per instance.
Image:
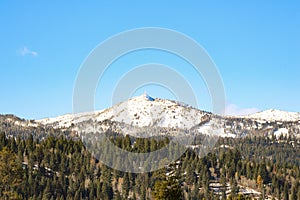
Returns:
(147, 112)
(141, 111)
(144, 114)
(232, 164)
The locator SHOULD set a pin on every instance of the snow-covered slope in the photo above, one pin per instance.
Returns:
(275, 115)
(145, 111)
(139, 111)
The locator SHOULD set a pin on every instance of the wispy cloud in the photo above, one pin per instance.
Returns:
(24, 51)
(234, 110)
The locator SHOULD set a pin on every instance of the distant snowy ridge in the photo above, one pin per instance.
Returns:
(275, 115)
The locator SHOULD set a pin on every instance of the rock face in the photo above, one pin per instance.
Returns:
(143, 113)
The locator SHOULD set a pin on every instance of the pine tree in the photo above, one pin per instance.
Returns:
(126, 185)
(234, 188)
(223, 183)
(294, 193)
(10, 174)
(259, 181)
(47, 191)
(107, 191)
(167, 189)
(286, 191)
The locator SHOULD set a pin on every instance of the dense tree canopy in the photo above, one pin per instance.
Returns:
(61, 168)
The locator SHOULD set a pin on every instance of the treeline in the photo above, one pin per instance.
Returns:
(62, 168)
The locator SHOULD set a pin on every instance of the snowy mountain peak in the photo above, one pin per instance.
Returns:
(146, 111)
(143, 97)
(140, 111)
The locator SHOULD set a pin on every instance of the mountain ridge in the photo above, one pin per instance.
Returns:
(271, 115)
(142, 112)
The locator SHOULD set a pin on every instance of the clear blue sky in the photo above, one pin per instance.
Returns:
(255, 44)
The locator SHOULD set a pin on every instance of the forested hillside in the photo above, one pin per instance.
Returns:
(61, 168)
